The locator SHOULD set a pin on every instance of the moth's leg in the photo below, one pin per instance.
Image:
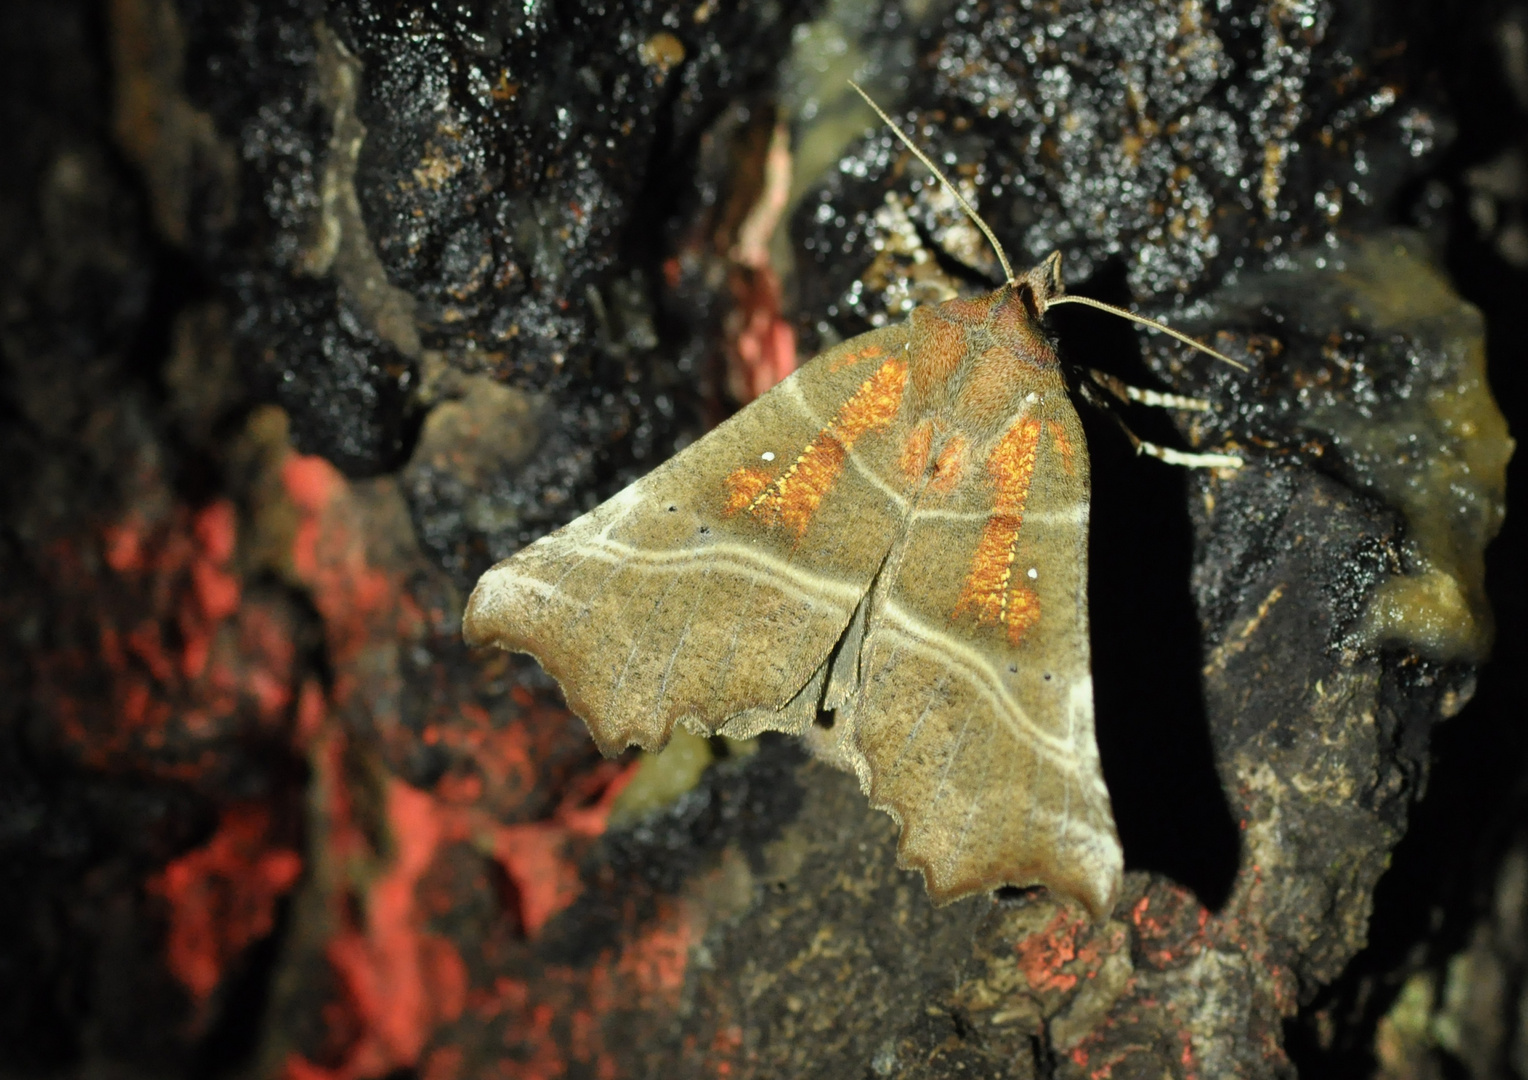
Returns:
(1161, 453)
(1187, 460)
(1125, 392)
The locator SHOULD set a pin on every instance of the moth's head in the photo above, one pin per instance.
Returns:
(1018, 311)
(1041, 285)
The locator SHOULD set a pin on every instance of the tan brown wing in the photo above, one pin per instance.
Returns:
(971, 714)
(713, 590)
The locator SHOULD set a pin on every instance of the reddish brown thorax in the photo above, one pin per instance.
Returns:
(974, 366)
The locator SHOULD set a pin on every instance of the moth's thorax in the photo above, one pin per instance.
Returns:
(975, 362)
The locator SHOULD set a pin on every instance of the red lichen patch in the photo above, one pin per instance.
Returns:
(658, 957)
(311, 482)
(1170, 926)
(497, 755)
(351, 547)
(402, 979)
(1109, 1060)
(1043, 954)
(1172, 932)
(361, 598)
(725, 1052)
(545, 882)
(412, 996)
(443, 1063)
(526, 1018)
(761, 343)
(435, 902)
(412, 950)
(122, 546)
(398, 982)
(541, 857)
(216, 529)
(222, 896)
(1186, 1055)
(165, 665)
(1100, 1065)
(1129, 1042)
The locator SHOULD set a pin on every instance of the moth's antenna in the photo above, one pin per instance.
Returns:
(1002, 257)
(1151, 324)
(921, 156)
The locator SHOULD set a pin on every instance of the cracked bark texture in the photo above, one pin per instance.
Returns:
(314, 310)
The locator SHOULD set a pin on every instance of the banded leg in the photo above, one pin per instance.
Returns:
(1186, 459)
(1155, 398)
(1167, 454)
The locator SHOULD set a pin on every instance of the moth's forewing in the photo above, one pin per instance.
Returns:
(673, 602)
(981, 746)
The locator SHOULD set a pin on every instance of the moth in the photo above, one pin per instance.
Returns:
(886, 554)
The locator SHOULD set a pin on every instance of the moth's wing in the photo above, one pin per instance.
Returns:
(669, 604)
(984, 749)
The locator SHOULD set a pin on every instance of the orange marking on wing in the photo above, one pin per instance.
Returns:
(1064, 448)
(951, 464)
(869, 352)
(793, 497)
(916, 450)
(1023, 612)
(986, 593)
(744, 486)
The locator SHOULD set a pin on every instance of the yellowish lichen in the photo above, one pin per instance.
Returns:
(663, 52)
(663, 777)
(1441, 461)
(1402, 1039)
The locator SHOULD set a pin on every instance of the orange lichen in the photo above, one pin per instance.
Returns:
(1170, 926)
(793, 498)
(173, 663)
(123, 546)
(165, 659)
(986, 593)
(444, 1063)
(401, 980)
(216, 530)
